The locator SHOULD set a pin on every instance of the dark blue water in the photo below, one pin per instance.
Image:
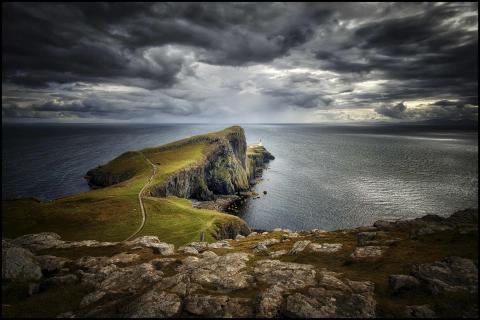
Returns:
(327, 177)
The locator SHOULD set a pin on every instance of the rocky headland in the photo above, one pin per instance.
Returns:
(195, 261)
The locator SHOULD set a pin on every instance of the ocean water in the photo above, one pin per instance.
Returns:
(328, 177)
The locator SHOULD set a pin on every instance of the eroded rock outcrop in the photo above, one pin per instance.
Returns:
(19, 264)
(203, 279)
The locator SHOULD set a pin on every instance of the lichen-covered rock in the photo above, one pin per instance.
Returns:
(199, 246)
(38, 241)
(153, 304)
(279, 253)
(223, 244)
(334, 298)
(154, 243)
(399, 282)
(223, 272)
(218, 306)
(262, 246)
(19, 264)
(270, 302)
(161, 263)
(188, 250)
(451, 274)
(49, 240)
(298, 247)
(287, 275)
(123, 258)
(90, 264)
(325, 247)
(367, 252)
(122, 281)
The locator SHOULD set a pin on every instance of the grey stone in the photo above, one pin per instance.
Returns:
(367, 252)
(288, 275)
(451, 274)
(298, 247)
(218, 306)
(153, 304)
(270, 302)
(325, 247)
(399, 282)
(19, 264)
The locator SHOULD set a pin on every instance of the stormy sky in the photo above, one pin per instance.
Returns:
(239, 62)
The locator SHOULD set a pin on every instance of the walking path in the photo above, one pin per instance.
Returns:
(140, 200)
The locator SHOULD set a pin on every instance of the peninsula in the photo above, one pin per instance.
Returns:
(131, 247)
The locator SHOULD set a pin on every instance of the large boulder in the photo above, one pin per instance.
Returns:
(223, 272)
(270, 302)
(325, 247)
(197, 246)
(451, 274)
(153, 304)
(222, 244)
(154, 243)
(124, 281)
(38, 241)
(333, 298)
(367, 252)
(400, 282)
(298, 247)
(287, 275)
(19, 264)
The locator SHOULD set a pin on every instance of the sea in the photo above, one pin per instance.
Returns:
(324, 176)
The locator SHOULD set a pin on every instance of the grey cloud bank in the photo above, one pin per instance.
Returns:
(240, 62)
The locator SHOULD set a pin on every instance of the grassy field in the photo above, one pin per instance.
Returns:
(113, 213)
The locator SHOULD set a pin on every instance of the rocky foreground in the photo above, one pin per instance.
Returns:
(425, 267)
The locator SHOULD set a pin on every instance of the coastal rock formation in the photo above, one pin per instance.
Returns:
(451, 274)
(236, 278)
(19, 264)
(227, 168)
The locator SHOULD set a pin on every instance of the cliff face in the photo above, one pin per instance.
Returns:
(257, 158)
(229, 167)
(223, 172)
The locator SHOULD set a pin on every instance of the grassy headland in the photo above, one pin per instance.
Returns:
(112, 213)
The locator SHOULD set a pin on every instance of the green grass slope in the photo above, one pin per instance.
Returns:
(113, 213)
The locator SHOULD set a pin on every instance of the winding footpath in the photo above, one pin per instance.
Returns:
(140, 200)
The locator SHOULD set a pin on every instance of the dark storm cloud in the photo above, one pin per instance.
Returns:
(139, 60)
(396, 111)
(98, 42)
(426, 52)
